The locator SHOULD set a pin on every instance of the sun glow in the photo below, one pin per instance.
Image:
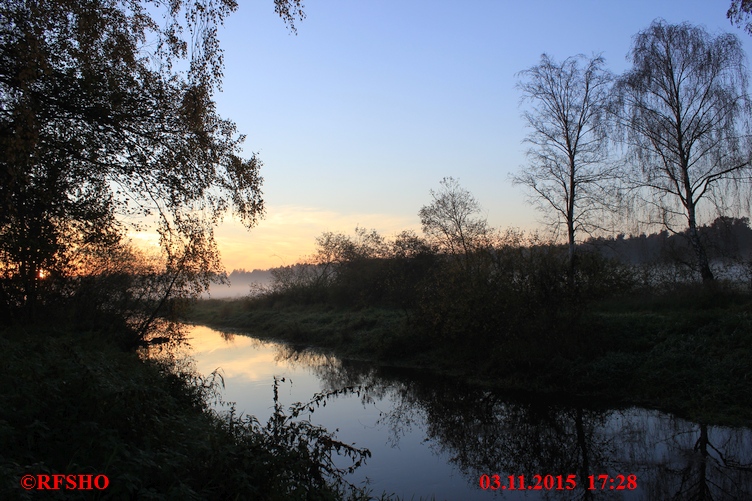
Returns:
(288, 233)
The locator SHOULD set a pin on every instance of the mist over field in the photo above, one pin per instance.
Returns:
(241, 283)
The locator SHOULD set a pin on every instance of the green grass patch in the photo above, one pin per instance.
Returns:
(688, 351)
(353, 332)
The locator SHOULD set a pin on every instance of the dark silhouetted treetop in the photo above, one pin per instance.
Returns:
(107, 120)
(739, 13)
(452, 220)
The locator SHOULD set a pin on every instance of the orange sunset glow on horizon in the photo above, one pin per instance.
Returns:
(285, 235)
(288, 234)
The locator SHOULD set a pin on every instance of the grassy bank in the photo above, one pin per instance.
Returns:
(74, 403)
(361, 333)
(686, 352)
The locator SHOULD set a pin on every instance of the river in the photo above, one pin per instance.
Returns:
(432, 437)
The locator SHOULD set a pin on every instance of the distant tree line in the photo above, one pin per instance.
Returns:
(462, 283)
(728, 242)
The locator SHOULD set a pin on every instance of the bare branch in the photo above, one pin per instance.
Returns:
(568, 162)
(683, 109)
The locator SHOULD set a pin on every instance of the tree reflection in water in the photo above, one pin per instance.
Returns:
(486, 432)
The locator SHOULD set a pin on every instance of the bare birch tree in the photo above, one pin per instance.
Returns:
(684, 109)
(567, 168)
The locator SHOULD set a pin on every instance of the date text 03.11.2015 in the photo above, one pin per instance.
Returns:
(557, 482)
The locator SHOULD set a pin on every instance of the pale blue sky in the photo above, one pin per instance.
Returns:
(374, 101)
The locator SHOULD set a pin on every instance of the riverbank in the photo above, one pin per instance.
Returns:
(77, 404)
(687, 352)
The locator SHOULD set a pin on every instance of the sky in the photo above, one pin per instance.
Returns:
(373, 102)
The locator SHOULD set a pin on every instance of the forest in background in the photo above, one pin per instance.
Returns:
(729, 241)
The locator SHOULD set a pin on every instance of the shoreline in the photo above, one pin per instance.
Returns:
(652, 361)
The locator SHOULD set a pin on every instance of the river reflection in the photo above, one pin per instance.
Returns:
(433, 437)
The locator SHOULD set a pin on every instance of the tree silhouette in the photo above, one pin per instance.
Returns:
(567, 170)
(100, 131)
(683, 108)
(450, 220)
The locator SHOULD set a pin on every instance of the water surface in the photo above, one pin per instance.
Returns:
(434, 437)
